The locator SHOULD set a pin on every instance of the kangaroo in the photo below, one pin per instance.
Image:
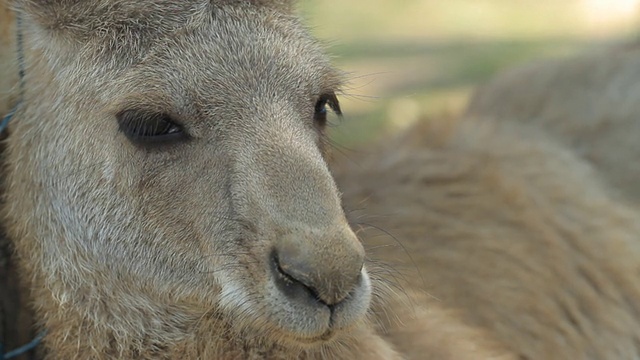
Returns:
(589, 102)
(507, 228)
(167, 193)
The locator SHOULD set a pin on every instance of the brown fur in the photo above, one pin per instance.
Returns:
(165, 253)
(508, 228)
(589, 102)
(155, 253)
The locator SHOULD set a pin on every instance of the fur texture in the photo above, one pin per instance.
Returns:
(509, 229)
(166, 251)
(197, 248)
(589, 102)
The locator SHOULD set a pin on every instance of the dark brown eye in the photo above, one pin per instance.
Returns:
(320, 110)
(144, 127)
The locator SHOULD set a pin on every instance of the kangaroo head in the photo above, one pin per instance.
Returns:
(169, 155)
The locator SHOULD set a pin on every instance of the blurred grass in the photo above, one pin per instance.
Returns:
(409, 58)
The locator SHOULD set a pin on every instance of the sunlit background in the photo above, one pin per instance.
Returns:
(412, 58)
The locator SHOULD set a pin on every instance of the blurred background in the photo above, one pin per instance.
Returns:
(411, 58)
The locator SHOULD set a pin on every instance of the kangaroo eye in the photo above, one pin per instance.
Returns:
(142, 127)
(320, 109)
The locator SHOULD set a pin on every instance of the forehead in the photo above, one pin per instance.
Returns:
(235, 51)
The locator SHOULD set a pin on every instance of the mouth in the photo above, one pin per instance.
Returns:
(294, 312)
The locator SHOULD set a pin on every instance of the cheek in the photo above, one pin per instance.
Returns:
(188, 201)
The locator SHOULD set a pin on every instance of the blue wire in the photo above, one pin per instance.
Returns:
(7, 118)
(25, 348)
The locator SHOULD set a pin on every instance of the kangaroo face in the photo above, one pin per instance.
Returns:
(186, 169)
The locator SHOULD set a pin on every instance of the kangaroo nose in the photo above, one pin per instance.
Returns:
(326, 269)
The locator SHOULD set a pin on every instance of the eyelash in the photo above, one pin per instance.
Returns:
(320, 108)
(146, 128)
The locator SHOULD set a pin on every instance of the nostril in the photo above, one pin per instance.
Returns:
(292, 281)
(328, 271)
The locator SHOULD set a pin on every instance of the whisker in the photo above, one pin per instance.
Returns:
(404, 248)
